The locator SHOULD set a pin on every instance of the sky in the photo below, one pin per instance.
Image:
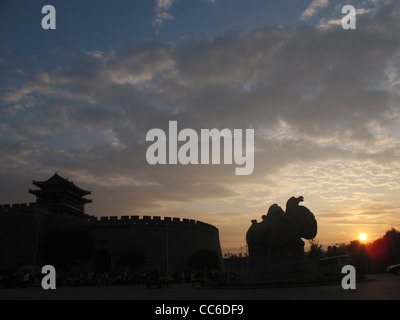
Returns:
(323, 102)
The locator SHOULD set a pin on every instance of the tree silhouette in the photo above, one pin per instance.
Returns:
(385, 250)
(372, 257)
(336, 250)
(205, 258)
(316, 252)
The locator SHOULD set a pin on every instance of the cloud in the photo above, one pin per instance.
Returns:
(365, 8)
(161, 17)
(164, 4)
(162, 9)
(284, 80)
(324, 105)
(313, 8)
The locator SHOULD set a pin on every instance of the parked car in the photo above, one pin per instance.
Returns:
(395, 269)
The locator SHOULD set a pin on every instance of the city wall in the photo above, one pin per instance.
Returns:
(167, 243)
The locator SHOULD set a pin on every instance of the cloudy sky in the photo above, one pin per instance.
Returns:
(323, 101)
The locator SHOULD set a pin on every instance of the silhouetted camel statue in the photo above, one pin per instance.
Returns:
(278, 236)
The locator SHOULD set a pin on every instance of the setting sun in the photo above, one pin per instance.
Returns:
(363, 236)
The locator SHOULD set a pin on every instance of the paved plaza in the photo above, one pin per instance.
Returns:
(376, 287)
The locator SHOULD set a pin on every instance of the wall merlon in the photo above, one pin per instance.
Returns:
(17, 206)
(153, 221)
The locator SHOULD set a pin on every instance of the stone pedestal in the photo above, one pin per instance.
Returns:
(303, 270)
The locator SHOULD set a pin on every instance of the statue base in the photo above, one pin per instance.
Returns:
(302, 270)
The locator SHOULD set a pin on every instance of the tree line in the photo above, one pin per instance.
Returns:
(373, 257)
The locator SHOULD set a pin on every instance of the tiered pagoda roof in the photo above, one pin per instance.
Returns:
(61, 196)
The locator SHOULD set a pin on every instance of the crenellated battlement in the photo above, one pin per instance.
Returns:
(18, 207)
(112, 221)
(155, 221)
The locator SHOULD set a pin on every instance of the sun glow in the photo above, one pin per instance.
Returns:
(363, 236)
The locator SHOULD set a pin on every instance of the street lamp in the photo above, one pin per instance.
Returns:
(167, 252)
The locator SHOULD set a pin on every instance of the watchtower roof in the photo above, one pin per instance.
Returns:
(58, 182)
(61, 196)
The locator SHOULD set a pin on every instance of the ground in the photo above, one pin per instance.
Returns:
(375, 287)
